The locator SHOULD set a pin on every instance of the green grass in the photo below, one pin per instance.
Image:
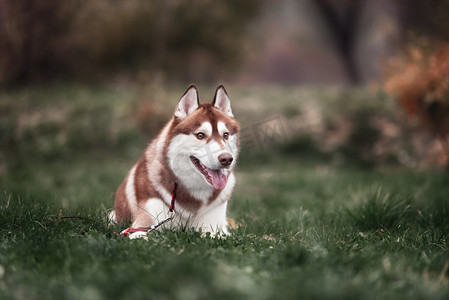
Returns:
(309, 228)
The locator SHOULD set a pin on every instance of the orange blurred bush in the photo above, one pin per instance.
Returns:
(420, 82)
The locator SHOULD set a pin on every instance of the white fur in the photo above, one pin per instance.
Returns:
(138, 235)
(205, 128)
(231, 146)
(112, 219)
(157, 208)
(209, 154)
(221, 127)
(231, 143)
(179, 151)
(213, 218)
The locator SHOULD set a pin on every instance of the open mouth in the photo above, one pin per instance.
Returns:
(215, 177)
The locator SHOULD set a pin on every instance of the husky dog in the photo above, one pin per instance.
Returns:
(196, 152)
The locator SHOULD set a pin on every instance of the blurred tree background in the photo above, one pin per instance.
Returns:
(48, 39)
(293, 42)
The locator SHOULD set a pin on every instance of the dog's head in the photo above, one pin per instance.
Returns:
(204, 142)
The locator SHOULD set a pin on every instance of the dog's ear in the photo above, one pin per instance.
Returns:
(188, 103)
(221, 101)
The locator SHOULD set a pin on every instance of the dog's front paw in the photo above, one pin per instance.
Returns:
(215, 232)
(138, 235)
(222, 231)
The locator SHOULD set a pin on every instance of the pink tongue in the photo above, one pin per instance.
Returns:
(218, 178)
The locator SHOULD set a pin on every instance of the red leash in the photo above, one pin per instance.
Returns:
(173, 197)
(171, 210)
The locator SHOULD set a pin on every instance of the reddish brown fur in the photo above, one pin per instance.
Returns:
(142, 184)
(206, 112)
(122, 212)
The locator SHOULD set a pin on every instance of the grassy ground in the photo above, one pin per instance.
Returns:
(310, 226)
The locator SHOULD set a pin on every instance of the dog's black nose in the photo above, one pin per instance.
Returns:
(225, 159)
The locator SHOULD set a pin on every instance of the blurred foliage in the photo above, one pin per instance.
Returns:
(58, 123)
(359, 147)
(419, 76)
(35, 38)
(420, 81)
(45, 125)
(425, 18)
(48, 39)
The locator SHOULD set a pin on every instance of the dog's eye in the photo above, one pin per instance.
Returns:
(226, 135)
(200, 135)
